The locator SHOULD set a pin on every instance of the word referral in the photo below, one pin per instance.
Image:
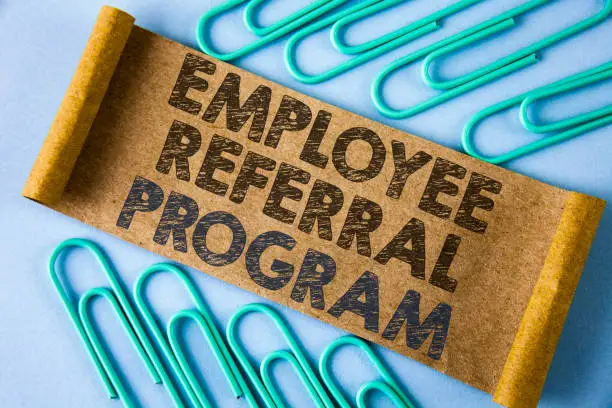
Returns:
(362, 218)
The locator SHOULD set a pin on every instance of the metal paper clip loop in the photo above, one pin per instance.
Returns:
(595, 75)
(389, 386)
(266, 388)
(267, 34)
(252, 8)
(369, 50)
(565, 129)
(170, 344)
(118, 388)
(458, 86)
(122, 307)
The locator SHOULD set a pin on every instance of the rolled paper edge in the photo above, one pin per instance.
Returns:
(62, 146)
(529, 360)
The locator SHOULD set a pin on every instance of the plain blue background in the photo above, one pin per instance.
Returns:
(42, 362)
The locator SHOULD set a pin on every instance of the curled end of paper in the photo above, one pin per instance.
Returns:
(61, 148)
(527, 365)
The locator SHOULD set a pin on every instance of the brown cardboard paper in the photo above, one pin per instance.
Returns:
(459, 264)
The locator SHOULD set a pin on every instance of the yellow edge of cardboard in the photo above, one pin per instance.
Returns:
(527, 365)
(61, 148)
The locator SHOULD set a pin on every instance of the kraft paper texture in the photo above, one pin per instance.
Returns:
(459, 264)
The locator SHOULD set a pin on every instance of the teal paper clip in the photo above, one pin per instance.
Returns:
(369, 50)
(122, 307)
(453, 88)
(555, 132)
(170, 343)
(389, 386)
(266, 34)
(265, 386)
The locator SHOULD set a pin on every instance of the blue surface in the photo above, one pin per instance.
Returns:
(42, 362)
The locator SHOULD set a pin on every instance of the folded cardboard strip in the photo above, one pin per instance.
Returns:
(512, 278)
